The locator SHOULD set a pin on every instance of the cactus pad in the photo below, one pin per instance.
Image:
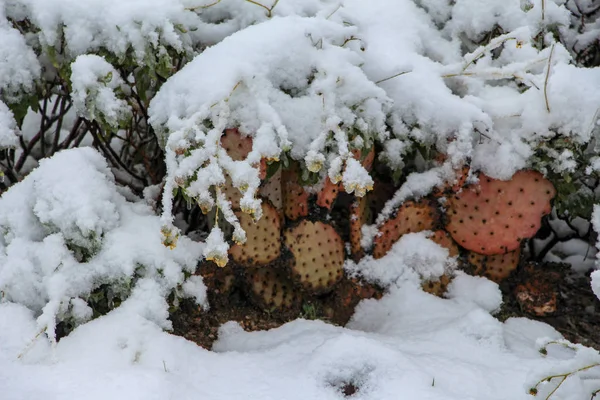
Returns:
(367, 159)
(358, 217)
(318, 255)
(492, 217)
(411, 217)
(231, 193)
(295, 198)
(438, 287)
(271, 288)
(263, 238)
(236, 145)
(328, 194)
(495, 267)
(445, 240)
(271, 190)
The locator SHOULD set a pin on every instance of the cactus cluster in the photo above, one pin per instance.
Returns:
(290, 254)
(488, 220)
(293, 250)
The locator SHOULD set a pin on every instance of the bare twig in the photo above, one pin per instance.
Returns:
(547, 78)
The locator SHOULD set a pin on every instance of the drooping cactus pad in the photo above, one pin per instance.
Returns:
(318, 254)
(263, 243)
(411, 217)
(493, 216)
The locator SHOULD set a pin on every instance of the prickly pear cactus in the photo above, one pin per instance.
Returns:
(493, 216)
(236, 145)
(328, 194)
(271, 190)
(263, 244)
(295, 198)
(450, 188)
(437, 287)
(411, 217)
(442, 238)
(272, 289)
(496, 267)
(358, 217)
(318, 253)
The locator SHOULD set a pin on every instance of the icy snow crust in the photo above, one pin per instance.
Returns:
(408, 345)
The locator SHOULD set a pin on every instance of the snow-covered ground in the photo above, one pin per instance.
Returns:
(408, 345)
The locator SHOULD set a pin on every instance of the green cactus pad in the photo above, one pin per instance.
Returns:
(263, 244)
(318, 254)
(272, 288)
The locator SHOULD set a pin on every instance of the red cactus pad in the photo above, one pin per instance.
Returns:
(442, 238)
(358, 217)
(367, 159)
(493, 216)
(295, 198)
(495, 267)
(236, 145)
(328, 194)
(411, 218)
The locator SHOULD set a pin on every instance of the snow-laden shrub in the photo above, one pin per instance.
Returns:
(292, 85)
(8, 127)
(97, 87)
(68, 230)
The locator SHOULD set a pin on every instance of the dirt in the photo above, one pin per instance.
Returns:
(577, 310)
(231, 299)
(558, 297)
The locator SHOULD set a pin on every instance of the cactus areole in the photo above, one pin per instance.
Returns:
(493, 216)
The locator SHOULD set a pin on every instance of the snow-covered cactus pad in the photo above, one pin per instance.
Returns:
(412, 217)
(67, 229)
(291, 84)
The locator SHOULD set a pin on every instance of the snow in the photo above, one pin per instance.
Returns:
(407, 345)
(413, 258)
(19, 66)
(94, 82)
(116, 25)
(8, 127)
(66, 230)
(310, 80)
